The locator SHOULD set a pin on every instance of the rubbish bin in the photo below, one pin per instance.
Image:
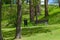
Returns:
(25, 22)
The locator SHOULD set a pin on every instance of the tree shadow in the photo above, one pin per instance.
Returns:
(32, 31)
(54, 18)
(9, 35)
(26, 32)
(54, 15)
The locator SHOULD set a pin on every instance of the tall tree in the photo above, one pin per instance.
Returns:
(46, 8)
(38, 5)
(46, 11)
(36, 13)
(59, 3)
(1, 38)
(37, 9)
(19, 20)
(11, 5)
(31, 10)
(11, 2)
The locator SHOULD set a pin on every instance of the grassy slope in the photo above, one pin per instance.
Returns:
(54, 34)
(46, 32)
(54, 27)
(39, 32)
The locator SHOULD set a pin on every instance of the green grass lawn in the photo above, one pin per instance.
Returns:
(54, 35)
(46, 32)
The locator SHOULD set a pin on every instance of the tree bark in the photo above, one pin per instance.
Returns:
(36, 13)
(1, 38)
(59, 3)
(19, 20)
(11, 3)
(31, 10)
(46, 12)
(46, 8)
(38, 8)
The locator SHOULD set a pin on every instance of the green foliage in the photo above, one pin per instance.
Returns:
(10, 14)
(36, 2)
(6, 1)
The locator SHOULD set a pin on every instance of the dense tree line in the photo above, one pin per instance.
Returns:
(57, 1)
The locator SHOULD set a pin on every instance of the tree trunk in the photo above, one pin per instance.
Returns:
(1, 38)
(31, 10)
(19, 20)
(38, 8)
(46, 8)
(36, 13)
(59, 3)
(11, 3)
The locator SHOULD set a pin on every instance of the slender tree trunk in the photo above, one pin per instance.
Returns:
(31, 10)
(19, 19)
(46, 12)
(59, 3)
(10, 12)
(36, 13)
(10, 3)
(1, 38)
(46, 8)
(38, 8)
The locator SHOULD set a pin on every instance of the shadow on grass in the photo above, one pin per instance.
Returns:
(54, 14)
(31, 31)
(52, 19)
(26, 32)
(9, 35)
